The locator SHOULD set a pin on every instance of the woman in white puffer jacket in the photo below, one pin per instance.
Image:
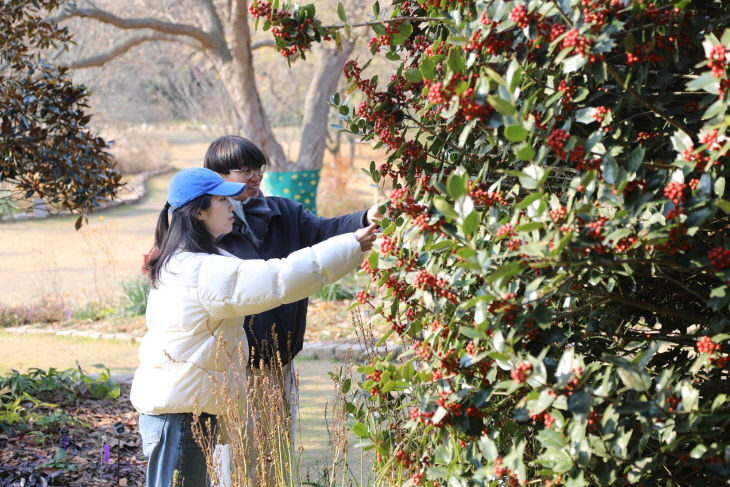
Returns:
(199, 296)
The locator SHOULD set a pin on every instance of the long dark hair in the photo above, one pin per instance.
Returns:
(184, 232)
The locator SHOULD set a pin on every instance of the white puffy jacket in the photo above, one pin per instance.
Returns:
(202, 298)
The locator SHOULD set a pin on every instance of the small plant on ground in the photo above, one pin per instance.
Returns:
(91, 311)
(134, 296)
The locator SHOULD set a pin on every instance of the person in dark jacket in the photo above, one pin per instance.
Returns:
(269, 227)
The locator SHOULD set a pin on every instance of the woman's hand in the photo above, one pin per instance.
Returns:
(366, 236)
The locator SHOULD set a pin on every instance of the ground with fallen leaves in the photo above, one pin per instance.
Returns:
(87, 453)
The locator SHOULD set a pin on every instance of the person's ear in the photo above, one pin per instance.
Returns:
(201, 214)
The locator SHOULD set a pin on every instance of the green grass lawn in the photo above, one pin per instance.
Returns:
(24, 351)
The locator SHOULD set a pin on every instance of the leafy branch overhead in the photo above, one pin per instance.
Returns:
(556, 253)
(47, 149)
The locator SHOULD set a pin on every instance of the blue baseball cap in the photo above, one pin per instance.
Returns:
(190, 183)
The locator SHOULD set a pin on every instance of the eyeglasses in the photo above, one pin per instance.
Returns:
(247, 173)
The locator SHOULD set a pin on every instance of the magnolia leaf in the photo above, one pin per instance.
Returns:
(528, 227)
(379, 29)
(566, 367)
(466, 131)
(531, 175)
(633, 379)
(456, 185)
(488, 447)
(543, 401)
(690, 397)
(580, 403)
(720, 186)
(527, 200)
(471, 223)
(701, 82)
(406, 29)
(698, 451)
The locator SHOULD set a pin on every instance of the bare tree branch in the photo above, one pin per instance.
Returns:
(265, 43)
(206, 40)
(212, 21)
(101, 59)
(397, 20)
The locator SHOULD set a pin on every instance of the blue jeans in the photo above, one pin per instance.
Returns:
(168, 443)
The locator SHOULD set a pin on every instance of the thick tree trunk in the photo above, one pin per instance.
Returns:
(239, 79)
(316, 108)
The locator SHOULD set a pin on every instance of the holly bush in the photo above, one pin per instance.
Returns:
(46, 148)
(556, 255)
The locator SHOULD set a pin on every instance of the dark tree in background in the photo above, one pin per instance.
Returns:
(46, 149)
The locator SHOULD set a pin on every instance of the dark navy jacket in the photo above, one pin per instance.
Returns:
(291, 228)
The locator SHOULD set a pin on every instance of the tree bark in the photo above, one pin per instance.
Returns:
(239, 78)
(316, 108)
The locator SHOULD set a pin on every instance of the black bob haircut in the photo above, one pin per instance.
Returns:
(233, 152)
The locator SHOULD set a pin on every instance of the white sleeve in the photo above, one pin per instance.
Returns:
(230, 287)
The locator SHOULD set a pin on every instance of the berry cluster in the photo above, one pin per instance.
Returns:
(719, 258)
(292, 36)
(505, 230)
(600, 113)
(519, 374)
(675, 192)
(482, 197)
(557, 140)
(421, 416)
(402, 201)
(501, 471)
(520, 16)
(363, 296)
(403, 458)
(716, 61)
(424, 280)
(706, 345)
(579, 43)
(595, 228)
(557, 215)
(644, 136)
(545, 417)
